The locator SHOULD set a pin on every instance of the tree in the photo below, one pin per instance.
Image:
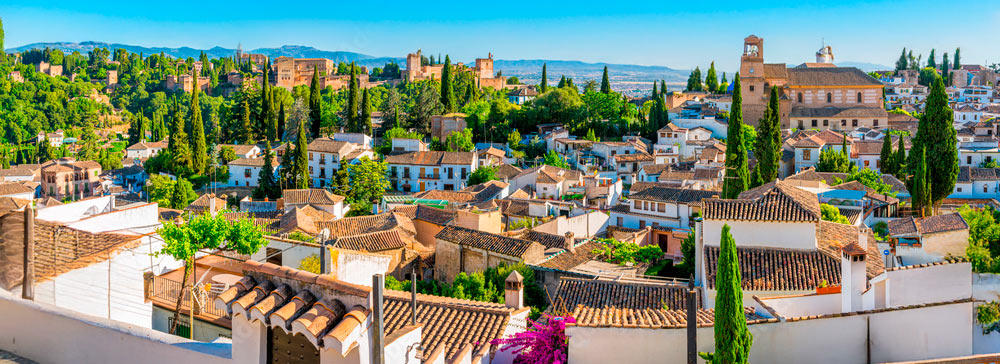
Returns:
(353, 122)
(137, 130)
(768, 146)
(694, 80)
(3, 54)
(247, 132)
(958, 59)
(931, 60)
(887, 159)
(937, 137)
(459, 141)
(180, 151)
(447, 89)
(183, 241)
(481, 175)
(227, 154)
(394, 133)
(368, 180)
(199, 150)
(921, 190)
(182, 195)
(945, 70)
(732, 338)
(711, 79)
(832, 214)
(901, 63)
(541, 343)
(366, 114)
(428, 104)
(591, 137)
(544, 86)
(315, 108)
(605, 82)
(301, 162)
(724, 85)
(899, 162)
(554, 159)
(833, 161)
(736, 174)
(160, 190)
(279, 134)
(267, 186)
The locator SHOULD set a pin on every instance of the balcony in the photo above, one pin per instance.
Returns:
(431, 176)
(164, 292)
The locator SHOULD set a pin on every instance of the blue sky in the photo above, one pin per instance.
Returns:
(679, 34)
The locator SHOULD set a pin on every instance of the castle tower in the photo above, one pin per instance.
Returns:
(413, 66)
(824, 55)
(752, 70)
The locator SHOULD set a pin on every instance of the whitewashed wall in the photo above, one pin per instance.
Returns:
(790, 235)
(938, 283)
(74, 211)
(581, 226)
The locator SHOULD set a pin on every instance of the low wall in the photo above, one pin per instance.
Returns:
(48, 334)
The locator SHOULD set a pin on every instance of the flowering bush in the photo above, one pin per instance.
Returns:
(541, 344)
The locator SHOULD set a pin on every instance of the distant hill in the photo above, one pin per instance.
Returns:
(865, 66)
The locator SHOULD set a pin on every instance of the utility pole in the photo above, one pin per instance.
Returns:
(692, 322)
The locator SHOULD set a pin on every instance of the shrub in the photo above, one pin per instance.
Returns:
(618, 252)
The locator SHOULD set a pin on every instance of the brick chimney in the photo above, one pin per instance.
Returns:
(513, 290)
(569, 243)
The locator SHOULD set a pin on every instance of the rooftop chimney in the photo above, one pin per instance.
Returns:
(569, 242)
(513, 290)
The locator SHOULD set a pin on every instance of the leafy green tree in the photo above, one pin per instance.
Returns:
(206, 232)
(301, 163)
(199, 151)
(227, 154)
(544, 86)
(937, 137)
(711, 79)
(395, 133)
(926, 76)
(871, 179)
(3, 54)
(554, 159)
(724, 85)
(368, 180)
(945, 70)
(605, 82)
(736, 175)
(447, 90)
(267, 186)
(481, 175)
(833, 161)
(832, 214)
(280, 124)
(247, 134)
(315, 108)
(958, 59)
(137, 130)
(901, 63)
(160, 190)
(732, 338)
(768, 144)
(886, 157)
(460, 141)
(899, 161)
(591, 137)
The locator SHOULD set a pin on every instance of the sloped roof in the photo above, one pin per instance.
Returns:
(314, 196)
(487, 241)
(775, 269)
(830, 76)
(625, 295)
(838, 112)
(431, 158)
(653, 191)
(203, 202)
(774, 201)
(13, 188)
(908, 226)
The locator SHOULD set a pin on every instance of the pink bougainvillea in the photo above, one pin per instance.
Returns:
(541, 343)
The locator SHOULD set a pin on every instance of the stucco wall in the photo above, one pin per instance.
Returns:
(581, 226)
(426, 232)
(48, 334)
(938, 283)
(73, 211)
(203, 331)
(946, 243)
(796, 306)
(790, 235)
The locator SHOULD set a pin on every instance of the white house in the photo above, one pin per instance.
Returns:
(325, 156)
(144, 150)
(659, 205)
(408, 145)
(808, 144)
(431, 170)
(362, 139)
(245, 172)
(241, 150)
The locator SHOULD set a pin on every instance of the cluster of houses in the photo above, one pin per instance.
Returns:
(869, 287)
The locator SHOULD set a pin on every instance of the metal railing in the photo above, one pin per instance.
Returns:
(168, 290)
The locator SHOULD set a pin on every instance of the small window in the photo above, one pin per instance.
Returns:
(814, 123)
(807, 154)
(751, 88)
(859, 97)
(800, 97)
(642, 224)
(875, 122)
(968, 159)
(985, 189)
(620, 221)
(854, 123)
(829, 97)
(960, 189)
(826, 122)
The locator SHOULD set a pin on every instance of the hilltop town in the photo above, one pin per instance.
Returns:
(250, 209)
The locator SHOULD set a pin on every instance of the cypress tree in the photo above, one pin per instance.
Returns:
(266, 126)
(899, 162)
(901, 62)
(353, 122)
(3, 54)
(137, 131)
(266, 185)
(732, 338)
(301, 172)
(180, 150)
(768, 146)
(281, 122)
(946, 70)
(711, 80)
(545, 80)
(958, 58)
(366, 114)
(662, 105)
(931, 60)
(199, 151)
(178, 200)
(447, 90)
(654, 109)
(314, 105)
(562, 82)
(921, 191)
(886, 157)
(937, 137)
(724, 85)
(247, 132)
(605, 82)
(736, 174)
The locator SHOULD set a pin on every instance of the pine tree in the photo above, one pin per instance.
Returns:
(958, 59)
(281, 122)
(711, 80)
(199, 151)
(353, 119)
(732, 338)
(605, 82)
(267, 127)
(946, 70)
(178, 198)
(768, 146)
(247, 132)
(901, 63)
(921, 191)
(931, 60)
(937, 138)
(736, 174)
(137, 130)
(654, 109)
(301, 171)
(266, 185)
(562, 82)
(314, 104)
(886, 158)
(366, 114)
(180, 151)
(545, 80)
(447, 90)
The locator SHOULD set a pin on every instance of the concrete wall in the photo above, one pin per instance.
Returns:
(48, 334)
(920, 333)
(798, 306)
(426, 232)
(358, 267)
(946, 243)
(581, 226)
(938, 283)
(790, 235)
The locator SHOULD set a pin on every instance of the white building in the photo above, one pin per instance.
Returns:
(431, 170)
(245, 172)
(659, 205)
(144, 150)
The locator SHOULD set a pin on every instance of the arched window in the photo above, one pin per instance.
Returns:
(859, 97)
(800, 97)
(829, 97)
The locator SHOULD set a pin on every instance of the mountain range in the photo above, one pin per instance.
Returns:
(631, 79)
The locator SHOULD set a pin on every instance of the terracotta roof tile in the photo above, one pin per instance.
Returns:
(661, 192)
(774, 201)
(487, 241)
(605, 293)
(310, 196)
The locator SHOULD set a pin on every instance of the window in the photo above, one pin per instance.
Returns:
(642, 224)
(843, 123)
(829, 97)
(859, 97)
(807, 154)
(662, 207)
(246, 173)
(751, 88)
(985, 189)
(854, 123)
(959, 189)
(636, 205)
(968, 159)
(620, 221)
(800, 97)
(826, 122)
(310, 156)
(800, 125)
(814, 123)
(875, 122)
